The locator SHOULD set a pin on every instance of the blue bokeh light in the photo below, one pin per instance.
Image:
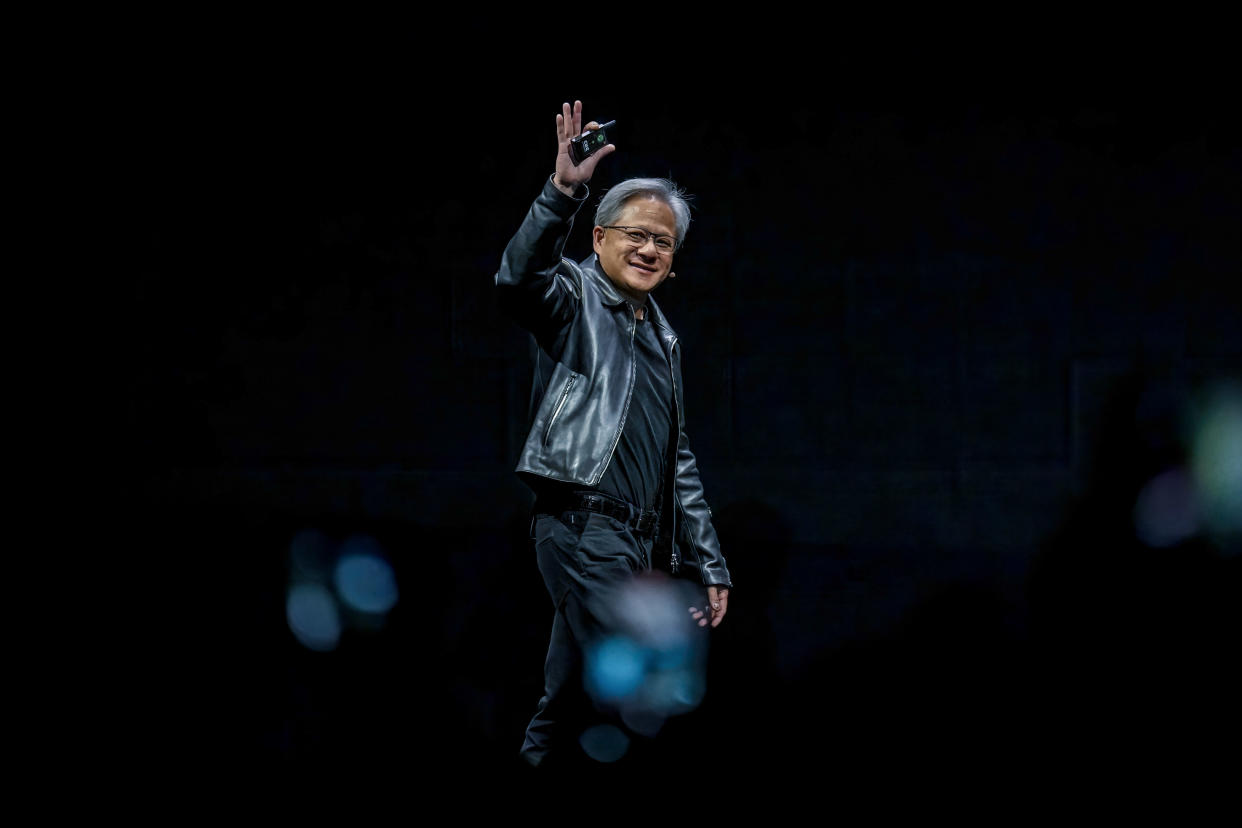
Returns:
(604, 743)
(615, 668)
(313, 617)
(364, 580)
(651, 666)
(681, 690)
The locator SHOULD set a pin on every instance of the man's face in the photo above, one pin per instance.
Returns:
(636, 269)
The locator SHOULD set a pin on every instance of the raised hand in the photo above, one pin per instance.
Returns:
(569, 176)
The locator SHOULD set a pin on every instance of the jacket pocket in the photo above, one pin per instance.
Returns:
(559, 406)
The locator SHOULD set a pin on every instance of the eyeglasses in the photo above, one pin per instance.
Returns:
(639, 237)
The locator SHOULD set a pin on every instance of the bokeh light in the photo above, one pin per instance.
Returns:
(1166, 511)
(1216, 460)
(681, 689)
(313, 616)
(652, 666)
(651, 610)
(643, 719)
(604, 743)
(363, 578)
(615, 668)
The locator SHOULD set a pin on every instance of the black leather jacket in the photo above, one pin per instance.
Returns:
(583, 383)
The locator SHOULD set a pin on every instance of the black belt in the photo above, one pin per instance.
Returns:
(640, 520)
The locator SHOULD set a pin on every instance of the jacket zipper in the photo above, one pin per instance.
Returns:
(674, 559)
(629, 393)
(556, 412)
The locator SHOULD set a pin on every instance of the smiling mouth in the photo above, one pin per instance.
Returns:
(642, 267)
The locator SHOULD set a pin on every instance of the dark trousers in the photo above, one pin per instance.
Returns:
(586, 560)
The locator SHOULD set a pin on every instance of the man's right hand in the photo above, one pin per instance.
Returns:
(569, 177)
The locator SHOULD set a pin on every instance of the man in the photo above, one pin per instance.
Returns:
(618, 495)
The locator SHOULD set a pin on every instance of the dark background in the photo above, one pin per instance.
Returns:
(941, 320)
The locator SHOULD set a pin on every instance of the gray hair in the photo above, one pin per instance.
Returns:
(613, 202)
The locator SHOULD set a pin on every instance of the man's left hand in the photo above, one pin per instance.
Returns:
(714, 612)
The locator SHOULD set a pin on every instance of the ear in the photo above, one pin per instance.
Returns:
(597, 238)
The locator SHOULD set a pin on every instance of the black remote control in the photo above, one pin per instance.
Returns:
(584, 146)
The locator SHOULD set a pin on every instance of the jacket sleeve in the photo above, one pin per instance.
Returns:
(696, 535)
(535, 287)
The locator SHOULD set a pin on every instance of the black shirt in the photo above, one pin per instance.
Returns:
(637, 465)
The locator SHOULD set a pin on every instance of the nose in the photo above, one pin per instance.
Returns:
(642, 248)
